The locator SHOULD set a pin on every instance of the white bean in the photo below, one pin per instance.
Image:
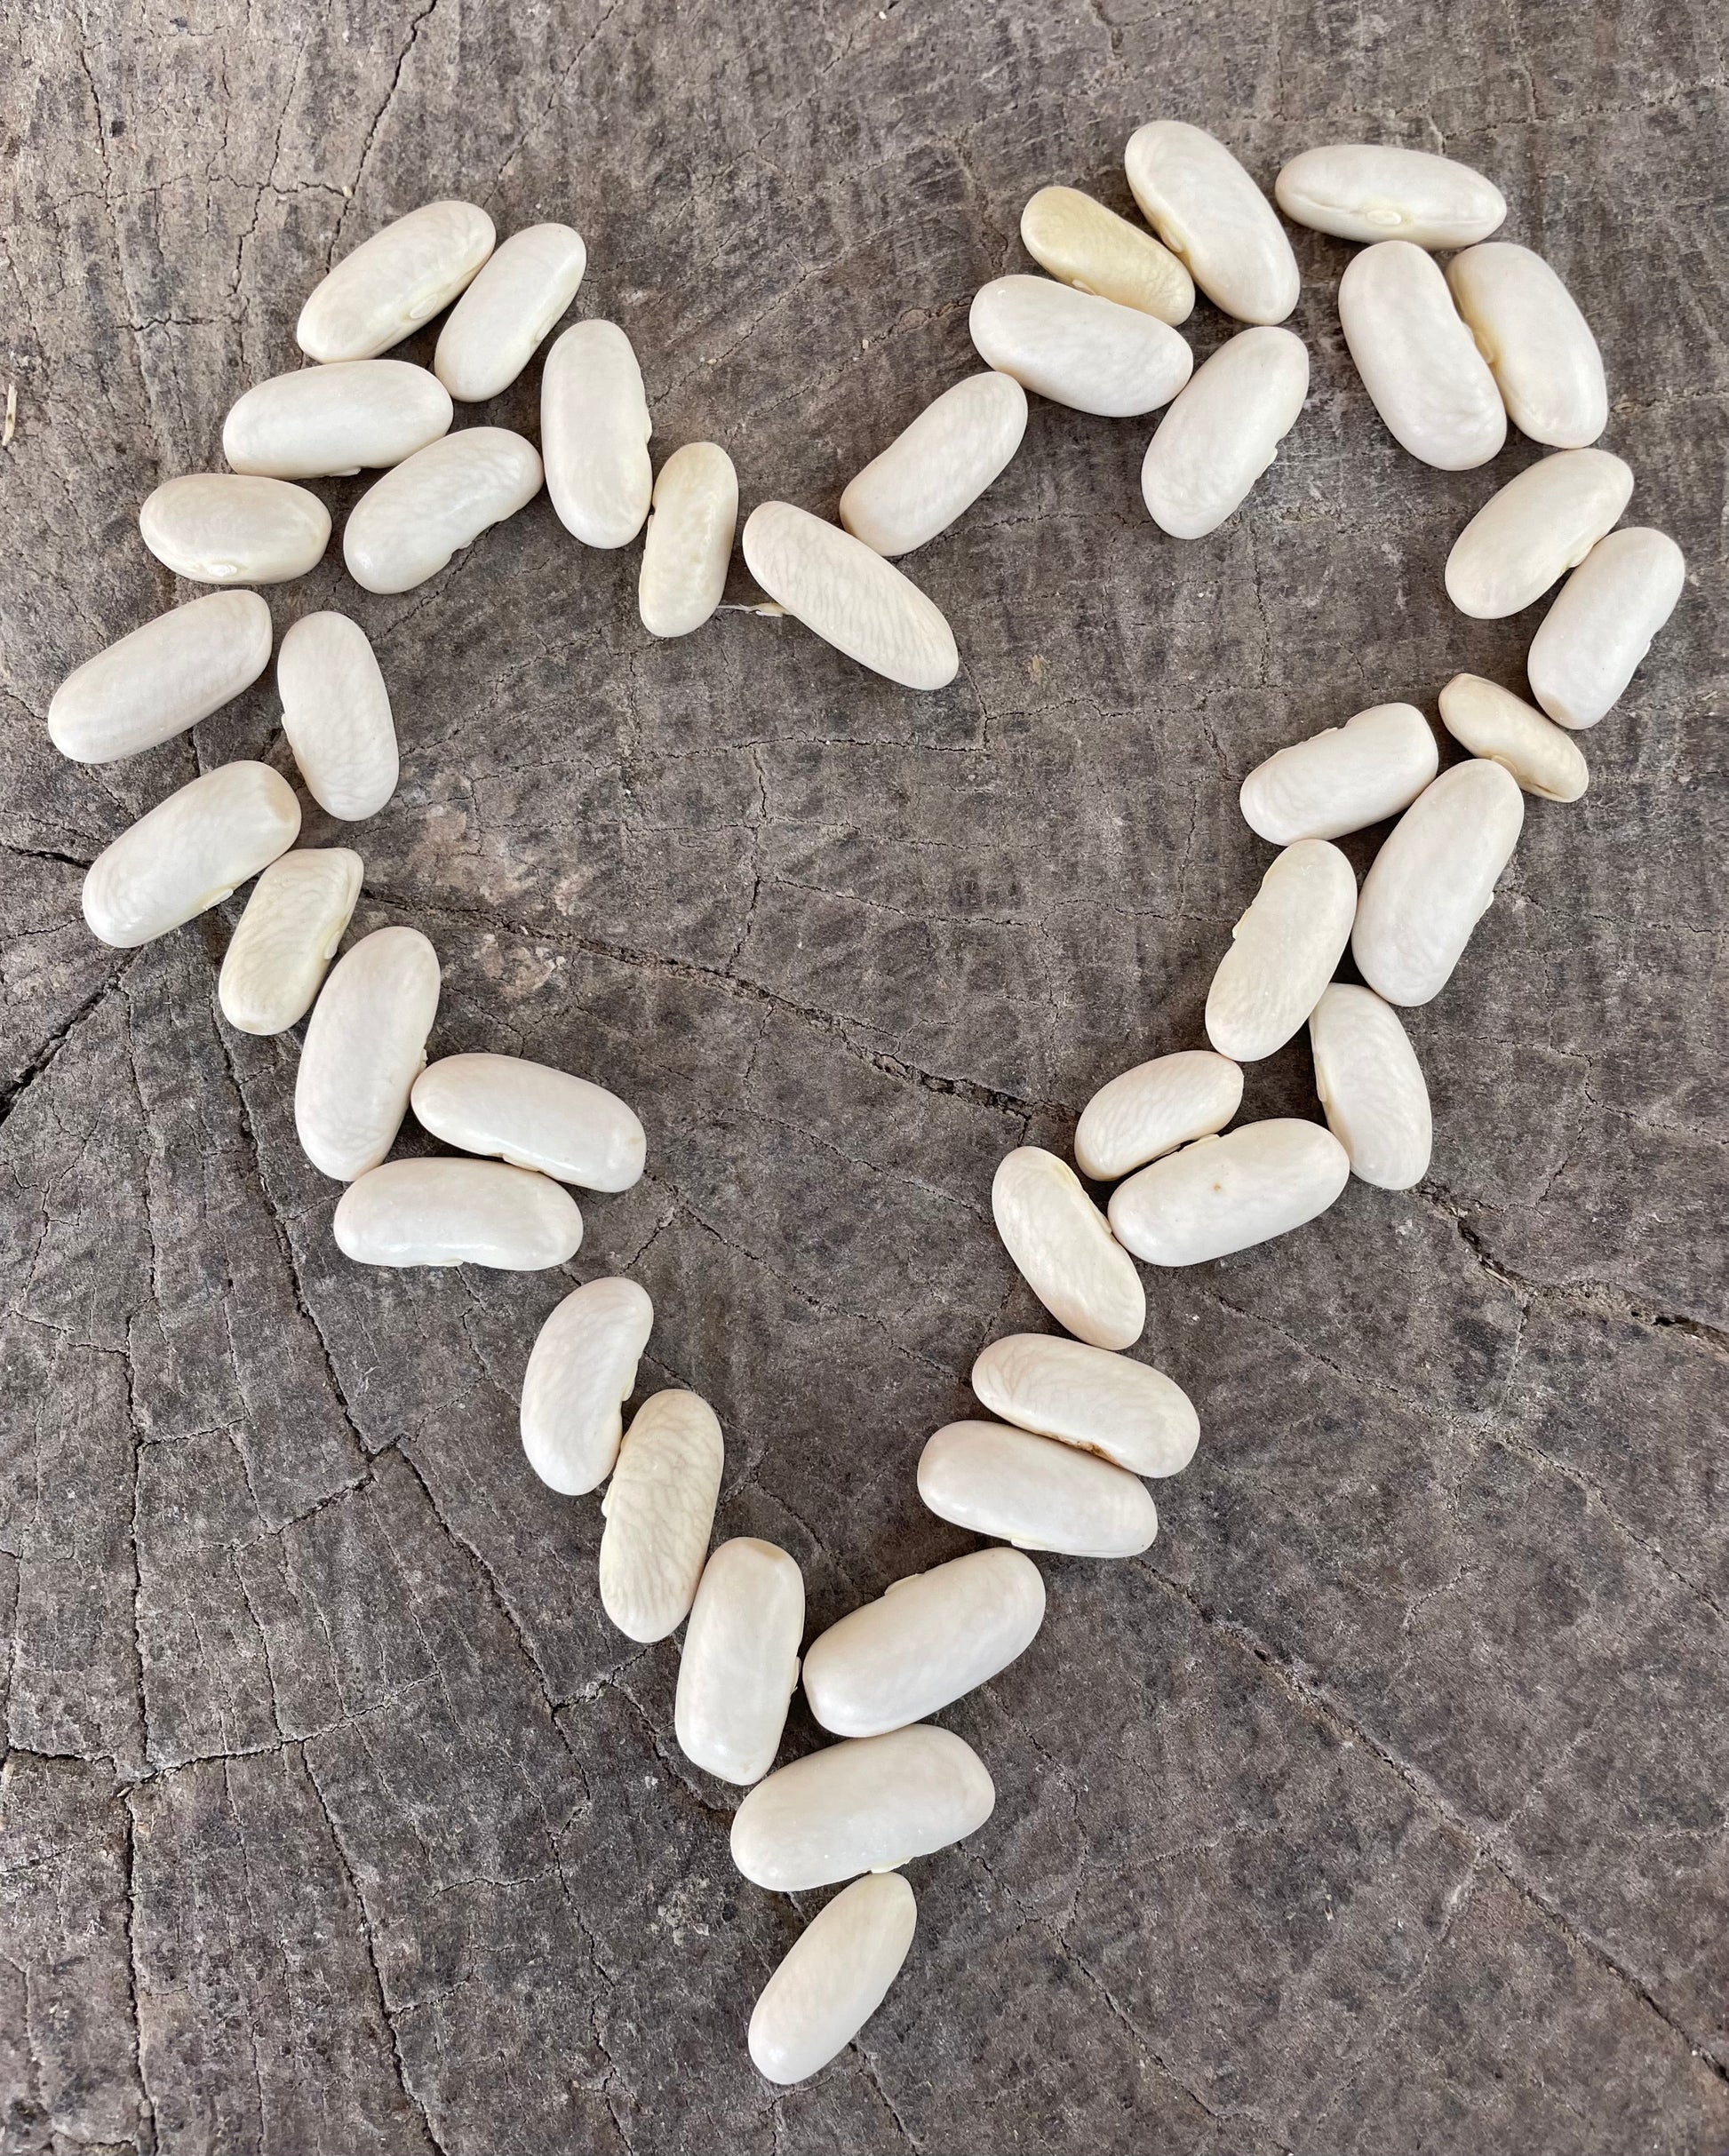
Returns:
(1077, 349)
(1226, 1194)
(497, 326)
(326, 422)
(224, 527)
(1059, 1241)
(835, 1977)
(336, 713)
(392, 282)
(406, 527)
(581, 1371)
(1223, 432)
(1211, 215)
(160, 679)
(189, 852)
(1540, 347)
(740, 1660)
(1491, 721)
(1539, 526)
(1146, 1112)
(533, 1116)
(295, 919)
(594, 429)
(658, 1509)
(688, 541)
(1418, 361)
(366, 1042)
(456, 1213)
(1079, 241)
(1376, 191)
(849, 596)
(1434, 879)
(1283, 951)
(1034, 1493)
(1372, 1087)
(1342, 779)
(1127, 1412)
(939, 467)
(1593, 638)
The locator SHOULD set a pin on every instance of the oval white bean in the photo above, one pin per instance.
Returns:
(1128, 1412)
(336, 713)
(497, 326)
(329, 422)
(926, 1643)
(581, 1371)
(1593, 638)
(1077, 349)
(222, 528)
(160, 679)
(295, 919)
(867, 1805)
(1059, 1241)
(1539, 526)
(1226, 1194)
(688, 541)
(1434, 879)
(1035, 1493)
(1539, 346)
(1376, 191)
(835, 1977)
(1372, 1087)
(849, 596)
(406, 527)
(740, 1660)
(533, 1116)
(1211, 215)
(1342, 779)
(1283, 951)
(1491, 721)
(366, 1041)
(394, 281)
(658, 1509)
(1079, 241)
(1223, 432)
(937, 466)
(1156, 1106)
(189, 852)
(456, 1213)
(594, 429)
(1418, 361)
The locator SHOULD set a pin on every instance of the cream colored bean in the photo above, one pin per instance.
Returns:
(1539, 526)
(1077, 349)
(688, 541)
(189, 852)
(1283, 951)
(1223, 1195)
(533, 1116)
(326, 422)
(498, 325)
(1376, 191)
(295, 919)
(849, 596)
(160, 679)
(1035, 1493)
(1343, 779)
(1418, 361)
(406, 527)
(1539, 346)
(1434, 879)
(869, 1805)
(1060, 1244)
(1128, 1412)
(1211, 215)
(658, 1509)
(456, 1213)
(222, 528)
(835, 1977)
(740, 1660)
(1223, 432)
(581, 1371)
(1156, 1106)
(1079, 241)
(394, 281)
(594, 429)
(366, 1041)
(939, 467)
(336, 713)
(1491, 721)
(1594, 637)
(1372, 1087)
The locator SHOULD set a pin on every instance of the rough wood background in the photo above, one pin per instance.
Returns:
(1381, 1807)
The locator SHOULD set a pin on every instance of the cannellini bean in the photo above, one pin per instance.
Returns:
(835, 1977)
(1214, 219)
(1539, 526)
(326, 422)
(1372, 1087)
(926, 1643)
(1156, 1106)
(391, 284)
(1593, 638)
(533, 1116)
(1035, 1493)
(849, 596)
(160, 679)
(688, 541)
(456, 1213)
(406, 527)
(189, 852)
(1079, 241)
(1491, 721)
(336, 713)
(658, 1508)
(223, 527)
(1376, 191)
(1077, 349)
(1283, 951)
(1418, 361)
(937, 466)
(1058, 1239)
(497, 326)
(594, 429)
(366, 1042)
(287, 934)
(740, 1660)
(1434, 879)
(1223, 432)
(1539, 346)
(1127, 1412)
(580, 1373)
(1226, 1194)
(868, 1805)
(1343, 779)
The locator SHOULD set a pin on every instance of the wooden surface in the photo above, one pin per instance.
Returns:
(1380, 1807)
